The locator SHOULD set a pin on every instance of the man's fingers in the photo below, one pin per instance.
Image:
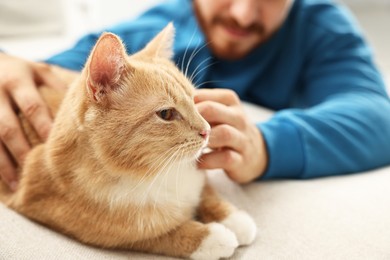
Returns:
(28, 99)
(225, 136)
(224, 96)
(220, 159)
(7, 169)
(216, 113)
(12, 137)
(11, 134)
(44, 75)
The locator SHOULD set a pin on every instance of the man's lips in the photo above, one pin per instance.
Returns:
(236, 32)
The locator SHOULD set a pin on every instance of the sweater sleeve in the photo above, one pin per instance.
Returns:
(343, 123)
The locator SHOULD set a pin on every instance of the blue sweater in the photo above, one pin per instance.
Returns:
(332, 111)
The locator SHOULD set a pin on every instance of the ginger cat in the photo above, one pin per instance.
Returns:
(119, 167)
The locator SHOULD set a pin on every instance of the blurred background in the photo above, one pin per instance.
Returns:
(36, 29)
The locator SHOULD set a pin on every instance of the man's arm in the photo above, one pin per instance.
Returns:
(345, 124)
(342, 124)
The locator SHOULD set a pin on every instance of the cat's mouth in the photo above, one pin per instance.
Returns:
(203, 149)
(191, 150)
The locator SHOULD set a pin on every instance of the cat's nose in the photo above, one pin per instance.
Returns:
(204, 133)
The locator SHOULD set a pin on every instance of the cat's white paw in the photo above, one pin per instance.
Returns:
(242, 226)
(220, 242)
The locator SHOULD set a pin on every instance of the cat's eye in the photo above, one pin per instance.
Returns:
(168, 114)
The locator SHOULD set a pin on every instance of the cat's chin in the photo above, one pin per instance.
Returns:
(192, 159)
(199, 153)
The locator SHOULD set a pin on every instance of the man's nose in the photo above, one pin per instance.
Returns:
(245, 12)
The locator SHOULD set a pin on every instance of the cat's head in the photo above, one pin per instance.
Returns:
(139, 111)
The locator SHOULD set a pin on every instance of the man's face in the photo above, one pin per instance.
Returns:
(235, 27)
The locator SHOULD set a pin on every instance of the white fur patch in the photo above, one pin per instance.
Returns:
(180, 185)
(221, 242)
(242, 225)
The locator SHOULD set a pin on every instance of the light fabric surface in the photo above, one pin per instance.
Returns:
(345, 217)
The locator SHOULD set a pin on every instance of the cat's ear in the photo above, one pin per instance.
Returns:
(105, 67)
(162, 44)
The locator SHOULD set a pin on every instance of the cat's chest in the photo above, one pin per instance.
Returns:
(181, 185)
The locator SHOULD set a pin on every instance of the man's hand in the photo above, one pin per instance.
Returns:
(237, 144)
(18, 92)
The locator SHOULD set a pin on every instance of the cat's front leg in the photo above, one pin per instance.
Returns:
(193, 240)
(214, 209)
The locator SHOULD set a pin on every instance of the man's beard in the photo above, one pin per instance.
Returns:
(232, 50)
(254, 28)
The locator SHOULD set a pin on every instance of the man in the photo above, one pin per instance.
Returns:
(306, 59)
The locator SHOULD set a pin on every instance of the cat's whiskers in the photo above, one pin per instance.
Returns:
(177, 156)
(195, 72)
(125, 194)
(178, 169)
(161, 166)
(144, 191)
(201, 70)
(165, 173)
(208, 82)
(193, 54)
(176, 159)
(163, 183)
(164, 166)
(185, 52)
(178, 173)
(154, 166)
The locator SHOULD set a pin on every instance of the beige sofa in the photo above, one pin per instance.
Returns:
(345, 217)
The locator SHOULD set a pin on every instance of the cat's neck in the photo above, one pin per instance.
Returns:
(180, 184)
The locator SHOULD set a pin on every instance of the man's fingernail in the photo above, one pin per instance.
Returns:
(13, 185)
